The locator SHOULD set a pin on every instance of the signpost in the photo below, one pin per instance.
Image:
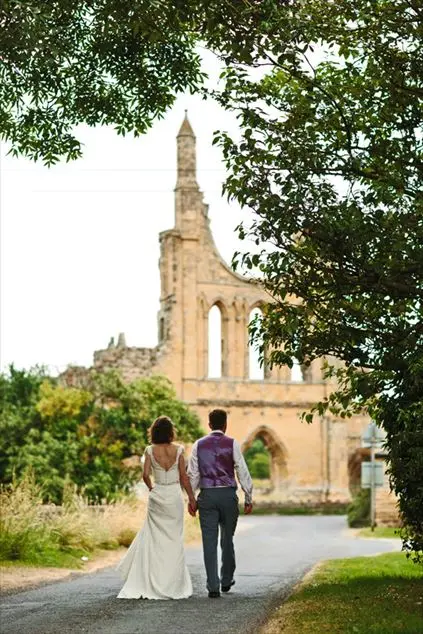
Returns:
(372, 472)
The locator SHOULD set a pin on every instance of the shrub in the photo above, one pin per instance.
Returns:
(358, 511)
(260, 466)
(126, 537)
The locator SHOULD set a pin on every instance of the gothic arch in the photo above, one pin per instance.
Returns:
(221, 303)
(259, 303)
(277, 450)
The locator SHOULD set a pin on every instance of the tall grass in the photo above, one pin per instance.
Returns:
(47, 535)
(33, 533)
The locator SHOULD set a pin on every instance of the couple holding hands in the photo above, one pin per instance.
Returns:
(154, 566)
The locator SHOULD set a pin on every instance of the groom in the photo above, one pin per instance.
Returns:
(212, 465)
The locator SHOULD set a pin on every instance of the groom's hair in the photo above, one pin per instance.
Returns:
(218, 418)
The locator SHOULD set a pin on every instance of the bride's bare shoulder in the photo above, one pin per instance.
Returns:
(179, 448)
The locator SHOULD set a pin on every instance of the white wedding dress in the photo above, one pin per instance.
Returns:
(154, 566)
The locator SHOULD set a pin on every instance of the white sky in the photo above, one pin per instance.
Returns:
(79, 241)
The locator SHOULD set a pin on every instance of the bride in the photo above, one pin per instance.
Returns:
(154, 566)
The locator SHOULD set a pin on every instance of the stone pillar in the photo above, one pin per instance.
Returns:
(202, 330)
(237, 335)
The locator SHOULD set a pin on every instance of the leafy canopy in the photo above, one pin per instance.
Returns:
(107, 62)
(101, 62)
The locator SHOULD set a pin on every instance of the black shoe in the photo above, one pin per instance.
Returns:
(227, 588)
(214, 594)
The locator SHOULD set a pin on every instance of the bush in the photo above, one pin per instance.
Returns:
(126, 536)
(260, 466)
(358, 511)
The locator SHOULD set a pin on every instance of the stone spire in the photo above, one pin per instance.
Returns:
(187, 159)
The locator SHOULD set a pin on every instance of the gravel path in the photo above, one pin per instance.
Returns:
(273, 553)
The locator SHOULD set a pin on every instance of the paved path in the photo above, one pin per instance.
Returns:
(273, 553)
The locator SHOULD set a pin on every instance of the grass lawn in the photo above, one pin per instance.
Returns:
(381, 594)
(380, 531)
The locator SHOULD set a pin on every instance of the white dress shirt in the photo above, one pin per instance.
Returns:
(241, 469)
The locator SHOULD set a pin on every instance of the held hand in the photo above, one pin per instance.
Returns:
(192, 508)
(248, 508)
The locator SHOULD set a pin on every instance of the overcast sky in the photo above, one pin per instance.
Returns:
(79, 242)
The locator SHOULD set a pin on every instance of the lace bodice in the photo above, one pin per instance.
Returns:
(163, 476)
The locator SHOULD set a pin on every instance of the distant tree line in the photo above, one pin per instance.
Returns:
(87, 436)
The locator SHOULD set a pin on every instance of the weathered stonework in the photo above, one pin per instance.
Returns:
(131, 362)
(310, 462)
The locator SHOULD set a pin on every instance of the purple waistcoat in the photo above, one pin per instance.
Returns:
(216, 461)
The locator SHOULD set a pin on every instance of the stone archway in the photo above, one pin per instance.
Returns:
(361, 454)
(277, 450)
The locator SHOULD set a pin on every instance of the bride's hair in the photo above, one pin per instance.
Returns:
(161, 431)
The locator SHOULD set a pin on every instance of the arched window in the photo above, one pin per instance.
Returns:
(215, 343)
(255, 369)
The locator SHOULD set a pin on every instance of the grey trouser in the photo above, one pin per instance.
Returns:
(218, 508)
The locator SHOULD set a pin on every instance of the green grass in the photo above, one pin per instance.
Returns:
(49, 558)
(380, 531)
(366, 595)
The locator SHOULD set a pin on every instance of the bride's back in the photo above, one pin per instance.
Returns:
(165, 454)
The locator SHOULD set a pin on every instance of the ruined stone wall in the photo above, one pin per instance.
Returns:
(132, 363)
(75, 376)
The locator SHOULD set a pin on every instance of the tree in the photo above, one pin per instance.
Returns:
(82, 436)
(330, 162)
